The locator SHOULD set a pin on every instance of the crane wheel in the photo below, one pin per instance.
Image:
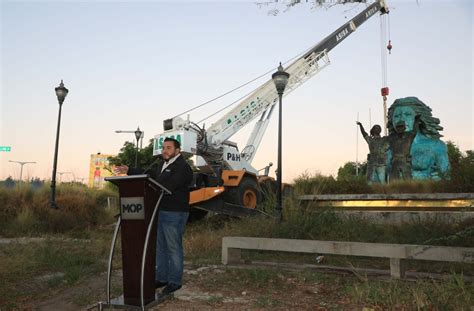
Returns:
(247, 193)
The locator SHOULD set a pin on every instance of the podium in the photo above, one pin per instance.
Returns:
(140, 197)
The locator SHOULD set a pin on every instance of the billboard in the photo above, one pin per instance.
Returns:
(99, 169)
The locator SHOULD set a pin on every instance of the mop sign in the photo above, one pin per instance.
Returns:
(132, 208)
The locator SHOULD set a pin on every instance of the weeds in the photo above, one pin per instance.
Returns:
(203, 240)
(23, 265)
(430, 295)
(26, 211)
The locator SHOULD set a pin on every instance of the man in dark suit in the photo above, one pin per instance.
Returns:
(175, 174)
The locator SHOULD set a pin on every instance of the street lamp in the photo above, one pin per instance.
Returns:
(139, 136)
(62, 173)
(21, 164)
(280, 78)
(61, 93)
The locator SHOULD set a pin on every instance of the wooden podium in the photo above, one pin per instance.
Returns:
(140, 197)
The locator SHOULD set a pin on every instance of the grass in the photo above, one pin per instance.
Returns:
(203, 239)
(25, 210)
(215, 300)
(287, 290)
(21, 265)
(307, 183)
(453, 294)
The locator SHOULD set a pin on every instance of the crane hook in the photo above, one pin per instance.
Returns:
(389, 46)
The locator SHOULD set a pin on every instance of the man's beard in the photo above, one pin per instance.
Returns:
(170, 157)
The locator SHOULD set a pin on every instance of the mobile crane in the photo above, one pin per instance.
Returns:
(225, 181)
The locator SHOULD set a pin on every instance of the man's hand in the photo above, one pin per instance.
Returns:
(121, 170)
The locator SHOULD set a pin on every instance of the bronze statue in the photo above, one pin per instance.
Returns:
(416, 150)
(400, 145)
(377, 158)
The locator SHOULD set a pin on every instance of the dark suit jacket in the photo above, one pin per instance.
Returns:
(177, 178)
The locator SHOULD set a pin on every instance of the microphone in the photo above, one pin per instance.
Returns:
(159, 157)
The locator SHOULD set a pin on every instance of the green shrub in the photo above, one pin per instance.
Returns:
(319, 184)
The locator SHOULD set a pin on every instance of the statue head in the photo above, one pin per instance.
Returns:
(403, 114)
(375, 130)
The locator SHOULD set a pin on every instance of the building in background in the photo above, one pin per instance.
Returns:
(99, 169)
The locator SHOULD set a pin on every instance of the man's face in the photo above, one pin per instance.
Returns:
(169, 150)
(403, 119)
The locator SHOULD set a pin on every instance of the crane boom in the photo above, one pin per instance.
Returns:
(213, 144)
(260, 102)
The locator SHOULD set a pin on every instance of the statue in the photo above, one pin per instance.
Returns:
(377, 158)
(416, 150)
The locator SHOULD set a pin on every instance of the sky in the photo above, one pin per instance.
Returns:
(129, 63)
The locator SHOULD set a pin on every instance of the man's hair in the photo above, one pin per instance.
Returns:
(175, 142)
(429, 125)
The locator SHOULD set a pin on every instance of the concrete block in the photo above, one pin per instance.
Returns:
(230, 255)
(397, 268)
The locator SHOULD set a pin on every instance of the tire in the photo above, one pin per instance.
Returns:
(246, 194)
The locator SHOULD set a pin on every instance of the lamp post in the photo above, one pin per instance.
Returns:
(21, 164)
(280, 78)
(138, 135)
(61, 175)
(61, 93)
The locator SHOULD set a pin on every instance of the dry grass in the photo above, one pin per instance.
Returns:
(24, 211)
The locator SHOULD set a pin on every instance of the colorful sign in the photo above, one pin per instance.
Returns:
(187, 139)
(5, 148)
(99, 169)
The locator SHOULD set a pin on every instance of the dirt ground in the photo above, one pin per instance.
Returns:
(216, 287)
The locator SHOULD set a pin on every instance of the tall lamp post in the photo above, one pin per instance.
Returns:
(138, 135)
(61, 93)
(280, 78)
(21, 164)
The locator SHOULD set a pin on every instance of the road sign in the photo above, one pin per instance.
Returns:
(5, 148)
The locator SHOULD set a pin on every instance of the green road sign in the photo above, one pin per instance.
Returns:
(5, 148)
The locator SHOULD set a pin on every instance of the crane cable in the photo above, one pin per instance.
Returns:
(384, 30)
(239, 87)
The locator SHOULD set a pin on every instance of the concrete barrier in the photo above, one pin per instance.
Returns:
(397, 253)
(400, 202)
(408, 217)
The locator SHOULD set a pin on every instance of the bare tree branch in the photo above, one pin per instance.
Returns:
(316, 4)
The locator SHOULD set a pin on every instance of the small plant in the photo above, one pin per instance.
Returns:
(215, 300)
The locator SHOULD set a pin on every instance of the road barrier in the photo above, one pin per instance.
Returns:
(397, 253)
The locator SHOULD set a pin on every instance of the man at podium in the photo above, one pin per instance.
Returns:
(176, 175)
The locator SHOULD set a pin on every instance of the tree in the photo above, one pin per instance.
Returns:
(36, 183)
(288, 4)
(128, 152)
(348, 171)
(9, 182)
(454, 155)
